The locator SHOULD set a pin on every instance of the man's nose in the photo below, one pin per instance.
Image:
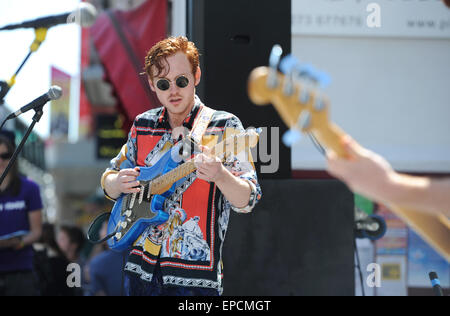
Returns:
(173, 88)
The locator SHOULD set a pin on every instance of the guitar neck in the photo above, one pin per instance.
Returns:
(163, 183)
(304, 108)
(290, 108)
(331, 137)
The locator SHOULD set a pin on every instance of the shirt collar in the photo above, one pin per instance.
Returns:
(190, 118)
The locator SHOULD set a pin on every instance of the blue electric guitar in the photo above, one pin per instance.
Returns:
(132, 213)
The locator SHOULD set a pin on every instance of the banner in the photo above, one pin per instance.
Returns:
(387, 18)
(110, 135)
(122, 40)
(395, 240)
(60, 109)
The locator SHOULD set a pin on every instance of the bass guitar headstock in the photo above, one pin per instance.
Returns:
(296, 94)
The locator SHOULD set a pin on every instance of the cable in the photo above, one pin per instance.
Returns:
(3, 123)
(359, 267)
(322, 150)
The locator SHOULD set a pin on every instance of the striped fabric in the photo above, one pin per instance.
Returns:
(188, 246)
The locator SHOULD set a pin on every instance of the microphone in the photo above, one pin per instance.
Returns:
(53, 93)
(84, 15)
(369, 226)
(436, 284)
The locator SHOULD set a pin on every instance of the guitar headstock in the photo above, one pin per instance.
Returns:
(292, 92)
(237, 142)
(296, 94)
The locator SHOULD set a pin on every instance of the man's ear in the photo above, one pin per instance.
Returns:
(152, 87)
(198, 75)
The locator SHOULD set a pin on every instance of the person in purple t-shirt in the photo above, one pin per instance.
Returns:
(20, 226)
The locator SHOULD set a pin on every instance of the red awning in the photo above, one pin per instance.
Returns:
(122, 39)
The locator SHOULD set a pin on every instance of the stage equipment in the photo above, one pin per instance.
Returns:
(233, 37)
(37, 105)
(84, 15)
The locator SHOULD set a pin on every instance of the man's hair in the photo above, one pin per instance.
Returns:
(157, 55)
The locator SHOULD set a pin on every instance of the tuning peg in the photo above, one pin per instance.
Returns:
(319, 77)
(323, 79)
(306, 70)
(291, 137)
(275, 56)
(274, 60)
(304, 96)
(289, 64)
(319, 104)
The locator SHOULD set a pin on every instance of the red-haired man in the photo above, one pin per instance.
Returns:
(182, 256)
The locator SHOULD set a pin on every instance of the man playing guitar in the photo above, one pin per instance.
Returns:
(183, 255)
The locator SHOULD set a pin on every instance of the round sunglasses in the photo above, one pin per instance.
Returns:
(164, 84)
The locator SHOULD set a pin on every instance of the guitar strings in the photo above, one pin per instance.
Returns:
(317, 144)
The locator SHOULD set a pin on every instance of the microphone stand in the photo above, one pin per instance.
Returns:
(5, 86)
(37, 116)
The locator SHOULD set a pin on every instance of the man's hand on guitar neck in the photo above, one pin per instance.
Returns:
(210, 168)
(369, 174)
(123, 181)
(364, 171)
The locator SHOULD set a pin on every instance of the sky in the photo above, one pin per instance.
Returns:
(61, 49)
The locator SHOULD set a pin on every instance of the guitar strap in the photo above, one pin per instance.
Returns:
(200, 125)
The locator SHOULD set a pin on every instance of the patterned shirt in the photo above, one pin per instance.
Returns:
(189, 245)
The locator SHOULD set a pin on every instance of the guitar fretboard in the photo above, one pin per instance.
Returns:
(162, 183)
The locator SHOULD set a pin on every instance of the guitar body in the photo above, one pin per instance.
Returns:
(149, 211)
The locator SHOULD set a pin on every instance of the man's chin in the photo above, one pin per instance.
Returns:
(176, 109)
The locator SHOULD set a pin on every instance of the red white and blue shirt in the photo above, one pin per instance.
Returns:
(189, 245)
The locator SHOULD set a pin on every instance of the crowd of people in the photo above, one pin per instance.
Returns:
(35, 257)
(100, 267)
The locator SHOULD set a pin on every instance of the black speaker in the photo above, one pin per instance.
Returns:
(234, 37)
(297, 241)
